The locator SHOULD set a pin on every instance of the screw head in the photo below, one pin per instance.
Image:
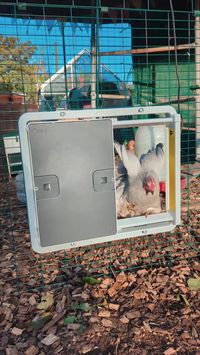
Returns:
(144, 231)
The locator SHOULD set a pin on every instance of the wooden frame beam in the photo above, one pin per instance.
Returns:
(150, 50)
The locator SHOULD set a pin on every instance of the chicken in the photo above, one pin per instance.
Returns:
(144, 192)
(141, 187)
(154, 159)
(129, 164)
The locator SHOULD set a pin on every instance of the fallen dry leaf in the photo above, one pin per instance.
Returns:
(46, 301)
(194, 284)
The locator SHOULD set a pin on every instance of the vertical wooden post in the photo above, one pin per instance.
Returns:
(197, 66)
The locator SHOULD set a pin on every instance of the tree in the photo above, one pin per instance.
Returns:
(18, 72)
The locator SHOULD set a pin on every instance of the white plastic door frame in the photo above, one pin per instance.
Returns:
(128, 227)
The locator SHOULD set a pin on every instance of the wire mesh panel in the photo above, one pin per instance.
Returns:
(56, 56)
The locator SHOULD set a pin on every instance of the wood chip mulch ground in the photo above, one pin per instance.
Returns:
(104, 299)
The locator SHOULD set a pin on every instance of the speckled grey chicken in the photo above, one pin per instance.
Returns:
(144, 192)
(154, 159)
(139, 183)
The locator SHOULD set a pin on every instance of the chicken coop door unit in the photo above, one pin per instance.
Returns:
(77, 177)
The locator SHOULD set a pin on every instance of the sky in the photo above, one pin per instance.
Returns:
(46, 36)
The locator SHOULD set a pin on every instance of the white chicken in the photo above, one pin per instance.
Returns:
(130, 163)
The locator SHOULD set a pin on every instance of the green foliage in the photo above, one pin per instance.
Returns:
(91, 280)
(70, 320)
(17, 72)
(82, 307)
